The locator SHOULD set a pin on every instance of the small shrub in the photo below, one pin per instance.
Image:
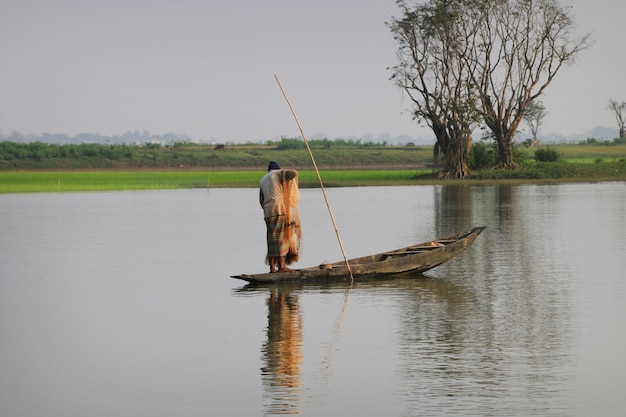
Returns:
(546, 155)
(520, 154)
(481, 156)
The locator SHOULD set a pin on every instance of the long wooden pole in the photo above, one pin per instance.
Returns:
(319, 178)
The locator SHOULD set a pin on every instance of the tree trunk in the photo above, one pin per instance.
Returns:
(505, 153)
(456, 153)
(455, 167)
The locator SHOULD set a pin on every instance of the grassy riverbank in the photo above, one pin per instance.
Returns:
(241, 166)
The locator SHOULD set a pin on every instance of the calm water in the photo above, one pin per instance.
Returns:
(120, 304)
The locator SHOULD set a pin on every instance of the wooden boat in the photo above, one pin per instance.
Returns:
(413, 259)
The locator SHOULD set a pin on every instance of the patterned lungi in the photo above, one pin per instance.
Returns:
(277, 244)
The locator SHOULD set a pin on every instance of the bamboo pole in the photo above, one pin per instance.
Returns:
(319, 178)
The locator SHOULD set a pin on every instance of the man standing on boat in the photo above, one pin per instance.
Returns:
(279, 198)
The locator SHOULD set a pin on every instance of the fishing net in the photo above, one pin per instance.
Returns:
(293, 230)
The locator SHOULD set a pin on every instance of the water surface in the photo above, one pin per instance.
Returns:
(121, 304)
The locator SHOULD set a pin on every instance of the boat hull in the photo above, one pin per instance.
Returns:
(411, 259)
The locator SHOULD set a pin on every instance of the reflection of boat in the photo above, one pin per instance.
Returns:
(416, 258)
(408, 283)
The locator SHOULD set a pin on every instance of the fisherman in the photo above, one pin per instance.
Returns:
(279, 198)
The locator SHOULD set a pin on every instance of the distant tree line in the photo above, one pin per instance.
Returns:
(298, 143)
(130, 137)
(594, 141)
(41, 155)
(40, 151)
(144, 138)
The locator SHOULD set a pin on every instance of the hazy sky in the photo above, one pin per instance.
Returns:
(206, 68)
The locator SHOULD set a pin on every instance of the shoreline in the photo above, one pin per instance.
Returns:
(18, 182)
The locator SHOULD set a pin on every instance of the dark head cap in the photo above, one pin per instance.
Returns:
(272, 166)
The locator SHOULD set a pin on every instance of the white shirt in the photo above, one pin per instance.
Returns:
(271, 194)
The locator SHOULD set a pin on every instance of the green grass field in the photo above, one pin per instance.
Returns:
(589, 153)
(63, 181)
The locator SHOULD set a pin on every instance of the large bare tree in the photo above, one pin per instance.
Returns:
(620, 115)
(460, 58)
(432, 40)
(521, 46)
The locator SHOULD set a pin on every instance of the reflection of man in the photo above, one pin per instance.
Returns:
(279, 197)
(283, 352)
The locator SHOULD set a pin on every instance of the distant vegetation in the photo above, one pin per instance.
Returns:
(339, 153)
(188, 155)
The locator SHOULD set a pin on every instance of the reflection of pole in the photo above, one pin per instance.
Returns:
(334, 341)
(319, 178)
